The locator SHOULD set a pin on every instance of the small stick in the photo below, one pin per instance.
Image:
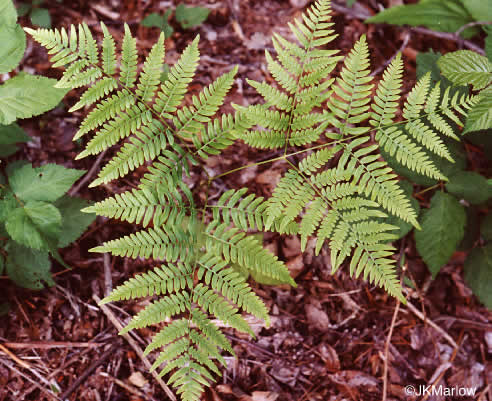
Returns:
(53, 344)
(108, 281)
(88, 176)
(41, 388)
(112, 318)
(127, 387)
(421, 316)
(406, 39)
(386, 350)
(109, 352)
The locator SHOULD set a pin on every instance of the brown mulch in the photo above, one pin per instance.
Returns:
(328, 337)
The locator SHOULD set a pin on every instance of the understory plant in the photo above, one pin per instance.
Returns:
(37, 218)
(337, 190)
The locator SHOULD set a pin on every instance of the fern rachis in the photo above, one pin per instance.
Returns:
(337, 193)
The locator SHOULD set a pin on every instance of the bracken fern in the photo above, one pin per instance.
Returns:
(338, 193)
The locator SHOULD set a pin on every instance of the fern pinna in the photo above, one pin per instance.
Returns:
(338, 193)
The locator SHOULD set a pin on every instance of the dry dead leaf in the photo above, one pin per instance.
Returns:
(137, 379)
(317, 317)
(263, 396)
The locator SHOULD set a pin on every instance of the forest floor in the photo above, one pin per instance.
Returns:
(331, 338)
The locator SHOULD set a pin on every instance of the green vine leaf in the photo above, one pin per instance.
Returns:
(9, 136)
(74, 221)
(438, 15)
(36, 225)
(190, 17)
(480, 116)
(442, 230)
(13, 41)
(470, 186)
(478, 273)
(28, 268)
(465, 67)
(46, 183)
(8, 14)
(27, 95)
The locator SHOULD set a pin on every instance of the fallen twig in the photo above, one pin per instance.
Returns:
(425, 319)
(112, 318)
(88, 371)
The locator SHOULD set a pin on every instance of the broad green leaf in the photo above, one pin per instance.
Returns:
(478, 273)
(472, 230)
(36, 225)
(488, 46)
(190, 17)
(428, 62)
(46, 183)
(7, 204)
(4, 308)
(23, 9)
(480, 116)
(470, 186)
(480, 10)
(29, 268)
(465, 67)
(41, 17)
(8, 15)
(486, 227)
(13, 40)
(9, 136)
(74, 222)
(158, 21)
(27, 95)
(442, 230)
(439, 15)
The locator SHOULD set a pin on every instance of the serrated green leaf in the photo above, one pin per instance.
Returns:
(8, 15)
(159, 21)
(470, 186)
(7, 204)
(27, 95)
(29, 268)
(465, 67)
(488, 47)
(9, 136)
(427, 62)
(190, 17)
(12, 133)
(438, 15)
(45, 183)
(13, 40)
(74, 222)
(478, 273)
(41, 17)
(36, 225)
(480, 116)
(442, 230)
(486, 228)
(480, 10)
(4, 308)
